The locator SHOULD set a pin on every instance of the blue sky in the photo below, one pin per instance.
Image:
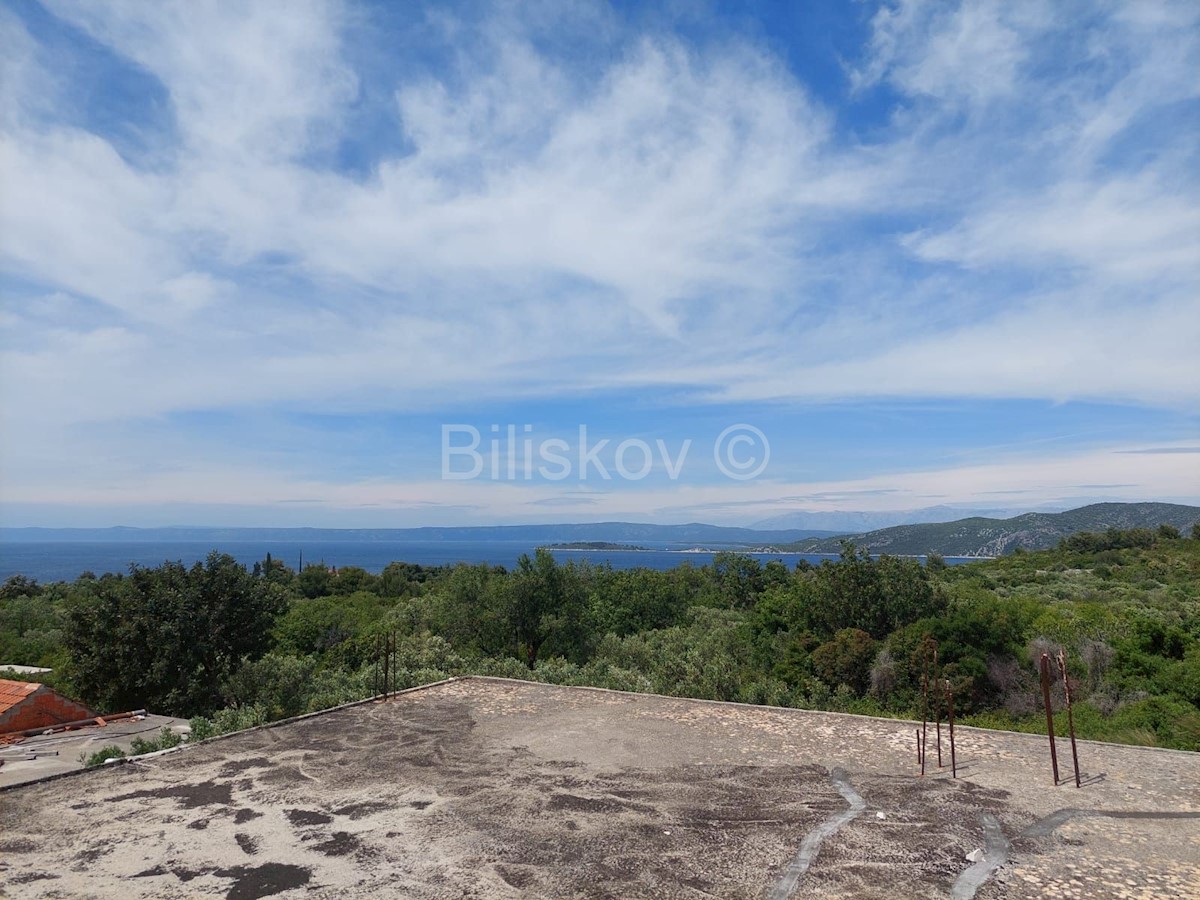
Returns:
(254, 258)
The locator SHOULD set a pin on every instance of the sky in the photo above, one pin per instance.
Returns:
(354, 264)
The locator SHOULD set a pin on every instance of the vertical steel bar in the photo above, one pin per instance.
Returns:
(1062, 665)
(937, 707)
(924, 699)
(950, 712)
(918, 731)
(1049, 714)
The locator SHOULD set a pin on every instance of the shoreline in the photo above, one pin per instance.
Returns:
(748, 552)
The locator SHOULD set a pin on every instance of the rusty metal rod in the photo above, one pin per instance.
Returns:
(1045, 666)
(924, 699)
(1062, 665)
(950, 712)
(937, 708)
(78, 723)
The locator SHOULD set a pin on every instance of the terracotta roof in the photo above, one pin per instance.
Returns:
(13, 692)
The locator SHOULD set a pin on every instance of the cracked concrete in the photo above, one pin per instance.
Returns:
(488, 788)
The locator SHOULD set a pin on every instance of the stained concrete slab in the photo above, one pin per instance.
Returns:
(489, 788)
(60, 751)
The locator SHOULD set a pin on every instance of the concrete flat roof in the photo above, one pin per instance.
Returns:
(489, 788)
(57, 752)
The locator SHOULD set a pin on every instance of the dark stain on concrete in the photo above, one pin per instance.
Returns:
(576, 803)
(33, 876)
(252, 882)
(340, 844)
(152, 873)
(356, 811)
(238, 766)
(91, 854)
(189, 796)
(515, 877)
(303, 817)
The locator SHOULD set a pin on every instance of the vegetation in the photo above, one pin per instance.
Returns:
(165, 741)
(235, 648)
(101, 756)
(166, 638)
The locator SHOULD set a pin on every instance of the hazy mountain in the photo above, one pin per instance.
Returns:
(616, 532)
(980, 536)
(845, 521)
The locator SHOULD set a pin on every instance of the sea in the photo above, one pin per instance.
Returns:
(66, 560)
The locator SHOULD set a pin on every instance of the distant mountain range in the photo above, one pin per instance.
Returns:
(972, 536)
(846, 521)
(614, 532)
(981, 536)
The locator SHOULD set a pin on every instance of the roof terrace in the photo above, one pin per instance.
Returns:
(489, 788)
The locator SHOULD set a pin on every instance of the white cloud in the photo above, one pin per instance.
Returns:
(1115, 473)
(660, 214)
(1058, 350)
(76, 216)
(968, 52)
(1135, 229)
(254, 79)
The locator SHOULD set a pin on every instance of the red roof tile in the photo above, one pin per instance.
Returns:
(13, 692)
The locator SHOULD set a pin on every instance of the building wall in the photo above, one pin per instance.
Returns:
(41, 708)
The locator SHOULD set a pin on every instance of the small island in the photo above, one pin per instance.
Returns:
(593, 545)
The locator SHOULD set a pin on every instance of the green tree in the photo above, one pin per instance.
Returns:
(19, 586)
(626, 601)
(315, 580)
(846, 660)
(165, 638)
(322, 623)
(738, 579)
(536, 590)
(400, 579)
(274, 571)
(875, 596)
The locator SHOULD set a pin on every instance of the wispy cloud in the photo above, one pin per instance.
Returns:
(1158, 450)
(573, 501)
(343, 208)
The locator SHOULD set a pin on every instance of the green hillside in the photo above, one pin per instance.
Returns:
(997, 537)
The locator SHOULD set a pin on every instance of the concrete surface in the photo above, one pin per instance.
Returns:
(487, 788)
(52, 754)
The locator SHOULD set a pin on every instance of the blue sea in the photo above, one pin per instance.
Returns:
(66, 560)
